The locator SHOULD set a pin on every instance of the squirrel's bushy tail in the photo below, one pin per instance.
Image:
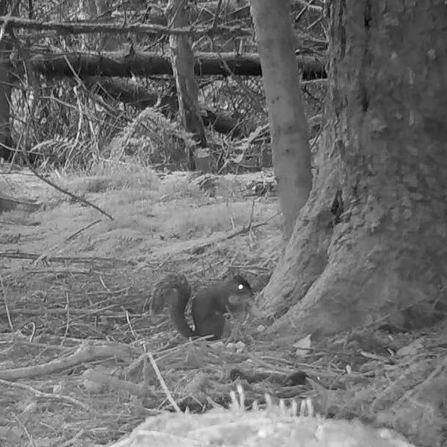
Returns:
(177, 311)
(177, 299)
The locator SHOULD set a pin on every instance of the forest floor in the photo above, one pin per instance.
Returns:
(83, 360)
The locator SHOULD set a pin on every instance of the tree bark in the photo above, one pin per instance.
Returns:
(370, 244)
(288, 125)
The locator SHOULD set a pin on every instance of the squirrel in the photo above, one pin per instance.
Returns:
(208, 307)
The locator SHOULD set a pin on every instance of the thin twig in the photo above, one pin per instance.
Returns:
(30, 438)
(67, 325)
(163, 384)
(5, 299)
(77, 233)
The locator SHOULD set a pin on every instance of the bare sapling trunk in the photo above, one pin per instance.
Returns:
(5, 91)
(288, 125)
(182, 59)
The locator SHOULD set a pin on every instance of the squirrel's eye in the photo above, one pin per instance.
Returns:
(240, 286)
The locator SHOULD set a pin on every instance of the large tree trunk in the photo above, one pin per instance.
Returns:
(370, 244)
(288, 125)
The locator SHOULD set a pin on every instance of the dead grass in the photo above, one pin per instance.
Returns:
(75, 313)
(16, 217)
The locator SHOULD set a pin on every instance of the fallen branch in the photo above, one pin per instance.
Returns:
(63, 259)
(115, 28)
(113, 383)
(85, 354)
(52, 396)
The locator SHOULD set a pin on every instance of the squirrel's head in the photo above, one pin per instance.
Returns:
(241, 286)
(240, 291)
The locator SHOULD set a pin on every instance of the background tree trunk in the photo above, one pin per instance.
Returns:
(5, 91)
(377, 253)
(89, 10)
(288, 125)
(182, 59)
